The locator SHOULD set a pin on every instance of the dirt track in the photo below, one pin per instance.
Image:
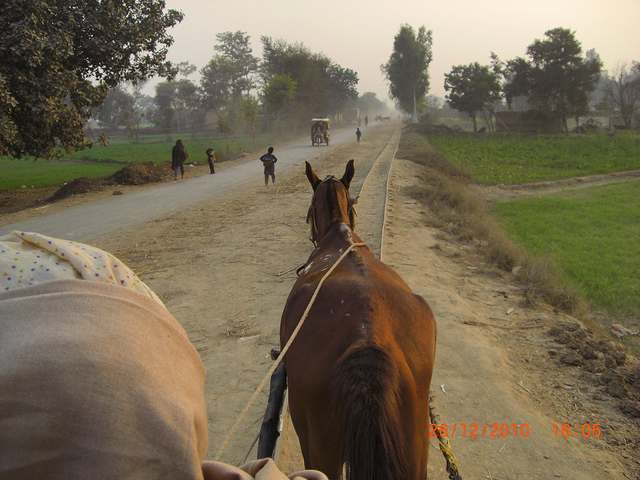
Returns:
(224, 268)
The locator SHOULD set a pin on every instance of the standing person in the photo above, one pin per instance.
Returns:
(366, 120)
(178, 156)
(211, 157)
(358, 134)
(269, 161)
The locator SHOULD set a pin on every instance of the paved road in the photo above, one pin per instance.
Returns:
(88, 221)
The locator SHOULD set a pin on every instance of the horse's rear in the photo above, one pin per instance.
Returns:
(360, 368)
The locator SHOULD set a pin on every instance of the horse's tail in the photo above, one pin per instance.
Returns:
(366, 392)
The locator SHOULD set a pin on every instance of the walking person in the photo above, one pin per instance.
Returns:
(358, 134)
(211, 157)
(269, 161)
(178, 156)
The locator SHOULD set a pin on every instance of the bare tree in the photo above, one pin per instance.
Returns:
(623, 91)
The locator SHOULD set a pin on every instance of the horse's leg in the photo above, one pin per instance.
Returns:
(326, 450)
(320, 443)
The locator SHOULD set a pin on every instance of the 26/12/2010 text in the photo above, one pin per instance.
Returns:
(473, 430)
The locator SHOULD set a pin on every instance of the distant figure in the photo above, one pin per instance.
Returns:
(358, 134)
(359, 121)
(211, 157)
(179, 155)
(269, 161)
(366, 120)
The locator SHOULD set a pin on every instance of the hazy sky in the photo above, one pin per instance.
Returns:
(359, 34)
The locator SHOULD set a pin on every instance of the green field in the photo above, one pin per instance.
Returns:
(593, 234)
(517, 159)
(99, 161)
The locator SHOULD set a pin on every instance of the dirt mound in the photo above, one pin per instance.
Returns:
(80, 185)
(133, 174)
(141, 174)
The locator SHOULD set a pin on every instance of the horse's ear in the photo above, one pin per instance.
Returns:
(348, 174)
(313, 178)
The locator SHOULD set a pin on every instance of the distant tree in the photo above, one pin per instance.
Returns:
(164, 112)
(224, 126)
(622, 90)
(133, 115)
(557, 79)
(370, 104)
(58, 60)
(181, 95)
(343, 87)
(473, 88)
(215, 84)
(309, 70)
(249, 110)
(277, 93)
(118, 101)
(407, 70)
(234, 48)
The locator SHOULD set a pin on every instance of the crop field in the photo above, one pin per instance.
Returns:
(592, 234)
(99, 161)
(517, 159)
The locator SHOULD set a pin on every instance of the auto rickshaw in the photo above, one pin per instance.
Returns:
(320, 131)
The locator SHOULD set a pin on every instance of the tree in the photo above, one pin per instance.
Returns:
(58, 58)
(249, 110)
(234, 47)
(133, 115)
(343, 87)
(622, 90)
(407, 70)
(557, 79)
(118, 100)
(277, 93)
(473, 88)
(370, 104)
(215, 84)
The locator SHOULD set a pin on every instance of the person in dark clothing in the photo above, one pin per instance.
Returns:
(358, 134)
(269, 161)
(211, 157)
(179, 155)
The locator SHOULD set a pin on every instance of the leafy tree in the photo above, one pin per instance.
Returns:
(58, 58)
(473, 88)
(234, 47)
(557, 79)
(310, 71)
(622, 90)
(277, 93)
(215, 84)
(407, 68)
(181, 95)
(118, 100)
(343, 87)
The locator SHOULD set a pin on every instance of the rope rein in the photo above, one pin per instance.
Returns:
(284, 350)
(445, 446)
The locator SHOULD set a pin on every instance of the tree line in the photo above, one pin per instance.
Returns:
(554, 78)
(288, 86)
(63, 62)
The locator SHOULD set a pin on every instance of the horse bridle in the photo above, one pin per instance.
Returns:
(311, 213)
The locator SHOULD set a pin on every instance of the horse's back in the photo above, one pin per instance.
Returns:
(365, 353)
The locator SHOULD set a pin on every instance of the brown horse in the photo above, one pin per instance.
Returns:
(360, 367)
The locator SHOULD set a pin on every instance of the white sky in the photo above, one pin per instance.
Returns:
(359, 34)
